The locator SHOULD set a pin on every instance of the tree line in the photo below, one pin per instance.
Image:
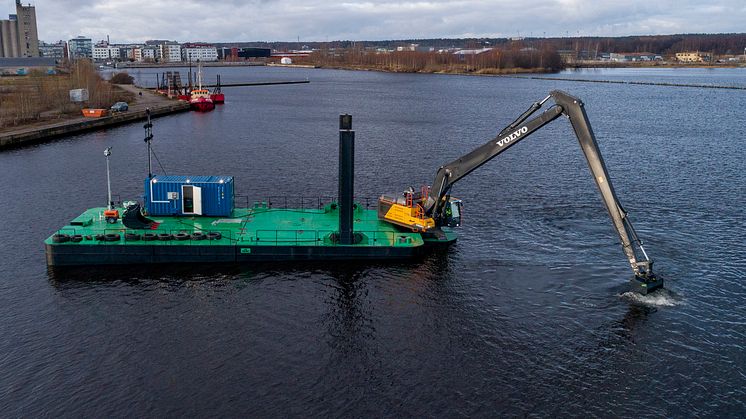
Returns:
(493, 61)
(733, 43)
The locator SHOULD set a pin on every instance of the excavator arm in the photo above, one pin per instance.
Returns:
(436, 205)
(453, 172)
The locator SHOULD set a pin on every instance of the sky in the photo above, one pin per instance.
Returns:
(316, 20)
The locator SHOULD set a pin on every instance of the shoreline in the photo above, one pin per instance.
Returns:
(124, 66)
(649, 64)
(516, 71)
(482, 72)
(40, 132)
(486, 71)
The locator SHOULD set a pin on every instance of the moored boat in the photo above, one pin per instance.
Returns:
(200, 100)
(217, 98)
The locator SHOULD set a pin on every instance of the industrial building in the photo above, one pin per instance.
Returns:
(634, 56)
(237, 53)
(22, 66)
(18, 35)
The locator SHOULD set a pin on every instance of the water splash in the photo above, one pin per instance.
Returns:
(660, 298)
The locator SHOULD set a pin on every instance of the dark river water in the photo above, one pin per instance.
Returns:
(527, 315)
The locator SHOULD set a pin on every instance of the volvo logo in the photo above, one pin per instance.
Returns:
(514, 136)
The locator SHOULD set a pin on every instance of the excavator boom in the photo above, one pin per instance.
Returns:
(437, 205)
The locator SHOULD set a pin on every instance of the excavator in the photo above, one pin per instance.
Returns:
(432, 208)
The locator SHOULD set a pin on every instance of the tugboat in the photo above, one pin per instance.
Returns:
(200, 100)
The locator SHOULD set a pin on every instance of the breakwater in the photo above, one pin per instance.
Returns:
(259, 83)
(121, 66)
(644, 83)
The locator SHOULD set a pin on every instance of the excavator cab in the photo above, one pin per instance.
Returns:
(407, 210)
(453, 211)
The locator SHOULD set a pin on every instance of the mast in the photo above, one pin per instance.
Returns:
(148, 137)
(107, 153)
(199, 74)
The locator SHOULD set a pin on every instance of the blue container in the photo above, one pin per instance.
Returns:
(189, 195)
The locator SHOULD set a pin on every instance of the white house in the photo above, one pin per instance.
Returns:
(169, 52)
(148, 54)
(104, 51)
(201, 52)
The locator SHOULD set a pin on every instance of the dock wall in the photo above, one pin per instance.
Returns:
(31, 135)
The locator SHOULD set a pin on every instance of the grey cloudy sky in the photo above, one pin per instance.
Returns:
(315, 20)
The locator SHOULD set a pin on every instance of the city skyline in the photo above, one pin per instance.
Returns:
(313, 20)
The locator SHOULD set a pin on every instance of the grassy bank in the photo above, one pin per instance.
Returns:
(38, 97)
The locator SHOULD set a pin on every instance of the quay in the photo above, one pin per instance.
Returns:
(125, 65)
(158, 105)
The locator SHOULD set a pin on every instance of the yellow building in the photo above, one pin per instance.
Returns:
(693, 57)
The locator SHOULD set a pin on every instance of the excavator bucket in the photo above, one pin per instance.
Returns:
(133, 218)
(647, 284)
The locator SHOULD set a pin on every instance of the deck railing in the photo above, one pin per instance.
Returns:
(267, 237)
(297, 202)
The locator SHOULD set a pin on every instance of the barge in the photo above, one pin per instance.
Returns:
(256, 234)
(194, 219)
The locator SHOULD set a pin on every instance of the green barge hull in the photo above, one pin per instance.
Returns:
(249, 235)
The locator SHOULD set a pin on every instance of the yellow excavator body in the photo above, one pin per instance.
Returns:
(404, 215)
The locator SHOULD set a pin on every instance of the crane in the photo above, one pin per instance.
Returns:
(432, 208)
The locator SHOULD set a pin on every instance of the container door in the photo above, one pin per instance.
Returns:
(191, 202)
(197, 192)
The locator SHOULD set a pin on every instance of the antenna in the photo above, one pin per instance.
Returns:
(107, 153)
(199, 74)
(148, 137)
(190, 71)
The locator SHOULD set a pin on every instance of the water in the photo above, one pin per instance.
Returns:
(528, 314)
(700, 76)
